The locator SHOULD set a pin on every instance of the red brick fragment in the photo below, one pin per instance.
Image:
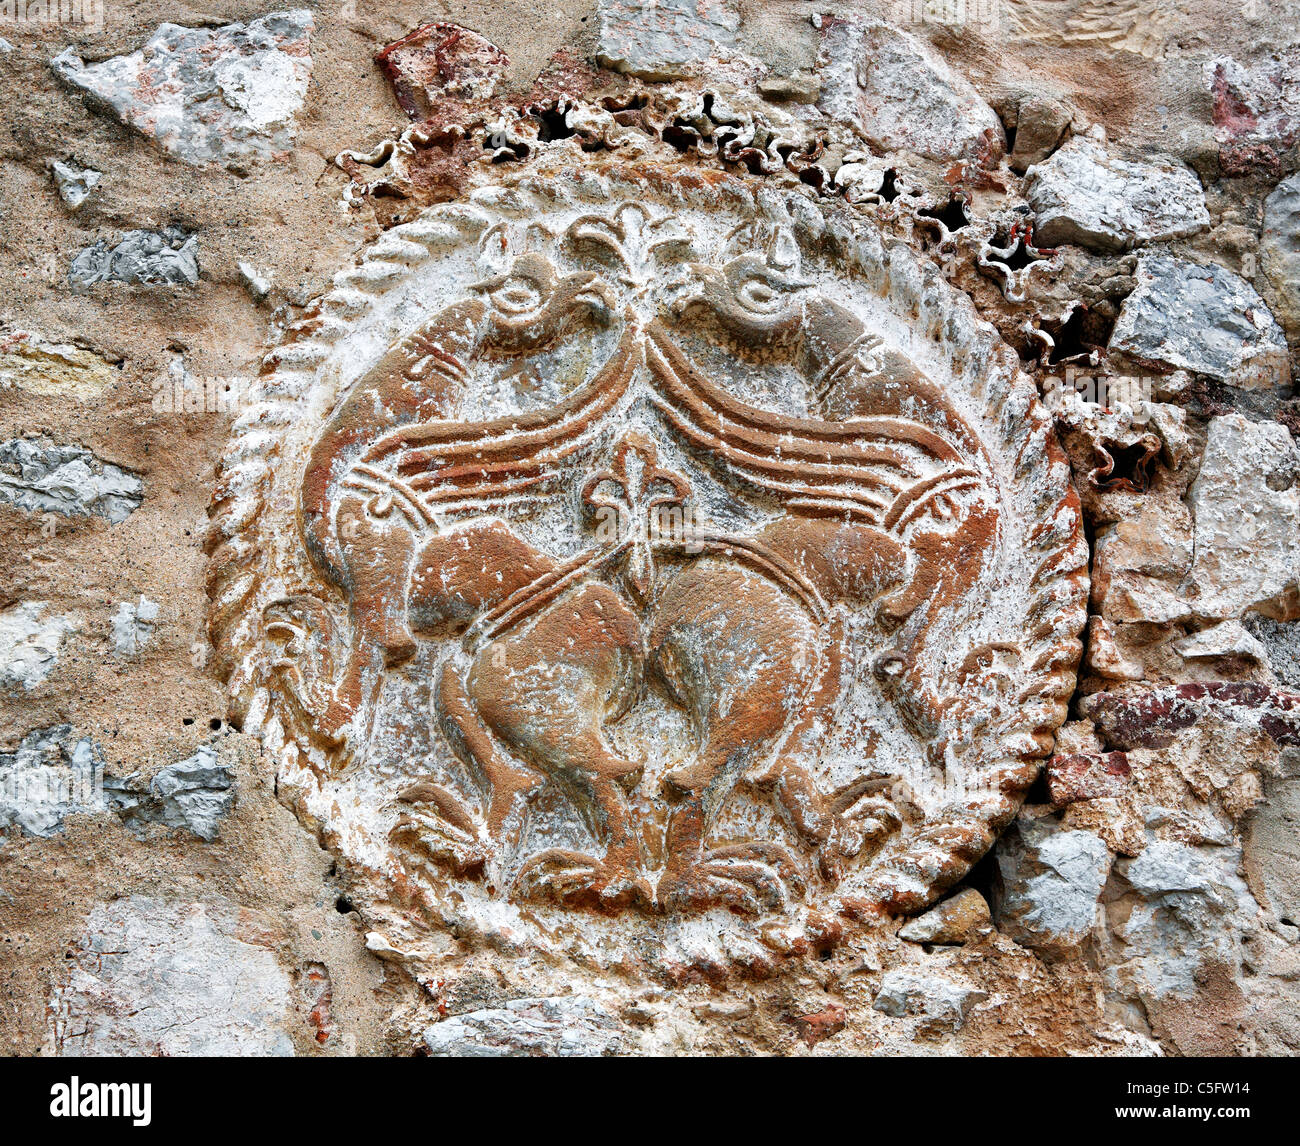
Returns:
(441, 61)
(1087, 776)
(822, 1025)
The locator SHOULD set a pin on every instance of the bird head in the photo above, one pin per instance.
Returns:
(747, 300)
(530, 305)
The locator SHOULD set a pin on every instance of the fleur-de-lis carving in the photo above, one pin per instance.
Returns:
(634, 240)
(636, 488)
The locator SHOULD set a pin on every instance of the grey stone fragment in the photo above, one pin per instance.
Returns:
(195, 794)
(169, 257)
(133, 626)
(1281, 641)
(51, 775)
(1246, 513)
(38, 476)
(939, 1001)
(955, 920)
(1179, 921)
(1272, 850)
(570, 1026)
(1165, 867)
(1040, 123)
(1202, 318)
(903, 96)
(1197, 823)
(1258, 101)
(1051, 880)
(799, 88)
(1085, 195)
(664, 39)
(227, 95)
(441, 62)
(1226, 639)
(1279, 246)
(75, 185)
(257, 283)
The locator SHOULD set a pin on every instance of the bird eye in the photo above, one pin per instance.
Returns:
(757, 295)
(517, 296)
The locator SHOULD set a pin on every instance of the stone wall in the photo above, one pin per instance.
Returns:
(1112, 188)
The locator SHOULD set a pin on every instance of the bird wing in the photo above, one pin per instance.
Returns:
(444, 465)
(874, 469)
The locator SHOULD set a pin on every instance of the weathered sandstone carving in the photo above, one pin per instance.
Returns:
(619, 547)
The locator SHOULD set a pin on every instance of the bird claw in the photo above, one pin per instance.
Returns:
(864, 822)
(435, 838)
(750, 878)
(575, 878)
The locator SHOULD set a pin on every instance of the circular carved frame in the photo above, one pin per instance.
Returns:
(954, 653)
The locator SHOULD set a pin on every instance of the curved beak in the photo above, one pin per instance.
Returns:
(598, 295)
(686, 288)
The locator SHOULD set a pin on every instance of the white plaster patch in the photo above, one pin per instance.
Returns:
(165, 978)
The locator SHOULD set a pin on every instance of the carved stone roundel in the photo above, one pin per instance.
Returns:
(651, 566)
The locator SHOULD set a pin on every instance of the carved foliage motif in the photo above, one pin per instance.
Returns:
(620, 550)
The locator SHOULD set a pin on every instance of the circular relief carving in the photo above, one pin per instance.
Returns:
(647, 565)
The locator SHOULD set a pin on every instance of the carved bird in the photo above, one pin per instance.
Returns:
(408, 400)
(747, 299)
(877, 512)
(532, 307)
